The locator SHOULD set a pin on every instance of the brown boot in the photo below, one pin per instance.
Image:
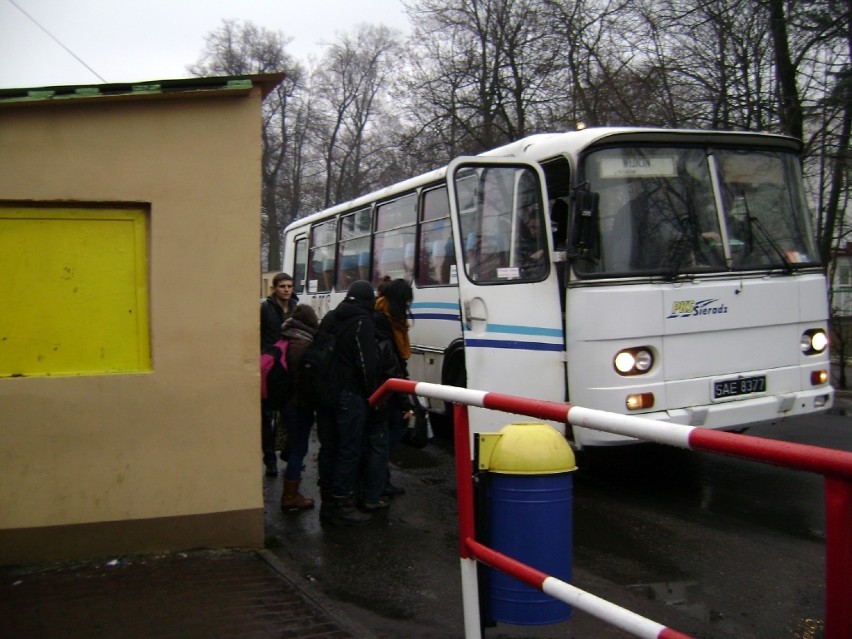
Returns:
(291, 499)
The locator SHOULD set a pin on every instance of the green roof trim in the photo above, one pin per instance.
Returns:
(226, 84)
(40, 94)
(242, 83)
(147, 88)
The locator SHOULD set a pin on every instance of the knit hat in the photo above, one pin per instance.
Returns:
(361, 291)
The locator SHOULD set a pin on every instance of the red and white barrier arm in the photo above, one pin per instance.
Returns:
(602, 609)
(832, 463)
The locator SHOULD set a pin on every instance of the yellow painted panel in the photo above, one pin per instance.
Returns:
(73, 291)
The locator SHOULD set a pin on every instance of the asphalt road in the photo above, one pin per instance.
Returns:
(711, 546)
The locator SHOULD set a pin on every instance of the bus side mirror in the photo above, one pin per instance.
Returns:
(584, 233)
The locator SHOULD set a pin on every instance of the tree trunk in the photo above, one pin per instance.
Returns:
(788, 94)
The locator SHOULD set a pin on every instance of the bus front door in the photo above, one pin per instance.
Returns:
(508, 285)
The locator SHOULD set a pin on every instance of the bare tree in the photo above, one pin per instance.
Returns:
(485, 71)
(821, 51)
(243, 49)
(350, 95)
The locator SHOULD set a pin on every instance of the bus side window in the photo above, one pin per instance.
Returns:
(364, 265)
(353, 244)
(300, 265)
(318, 280)
(390, 262)
(436, 254)
(443, 256)
(328, 272)
(347, 271)
(395, 229)
(321, 260)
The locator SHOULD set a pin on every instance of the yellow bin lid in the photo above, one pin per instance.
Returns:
(526, 448)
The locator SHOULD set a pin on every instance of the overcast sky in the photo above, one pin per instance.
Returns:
(138, 40)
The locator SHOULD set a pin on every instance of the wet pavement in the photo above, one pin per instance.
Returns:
(378, 571)
(711, 546)
(400, 575)
(227, 594)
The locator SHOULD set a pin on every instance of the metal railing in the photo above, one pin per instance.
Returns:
(834, 465)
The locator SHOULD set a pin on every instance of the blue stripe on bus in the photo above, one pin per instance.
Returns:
(511, 329)
(454, 306)
(524, 330)
(436, 316)
(511, 344)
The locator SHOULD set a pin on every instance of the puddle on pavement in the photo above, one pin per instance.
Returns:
(683, 595)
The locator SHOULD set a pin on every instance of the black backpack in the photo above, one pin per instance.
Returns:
(278, 381)
(318, 383)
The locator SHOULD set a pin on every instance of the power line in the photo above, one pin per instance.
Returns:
(55, 39)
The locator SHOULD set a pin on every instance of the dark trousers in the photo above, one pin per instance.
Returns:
(327, 435)
(298, 422)
(397, 427)
(375, 462)
(267, 435)
(341, 435)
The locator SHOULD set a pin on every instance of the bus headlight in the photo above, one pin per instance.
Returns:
(633, 361)
(814, 341)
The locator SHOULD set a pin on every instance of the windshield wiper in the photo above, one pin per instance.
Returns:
(755, 224)
(677, 255)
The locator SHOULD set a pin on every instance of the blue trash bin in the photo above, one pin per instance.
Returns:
(530, 504)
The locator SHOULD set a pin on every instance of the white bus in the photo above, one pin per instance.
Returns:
(665, 273)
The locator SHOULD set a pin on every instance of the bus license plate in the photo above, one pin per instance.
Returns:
(740, 386)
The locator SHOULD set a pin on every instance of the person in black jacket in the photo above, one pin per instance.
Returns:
(274, 311)
(387, 425)
(341, 427)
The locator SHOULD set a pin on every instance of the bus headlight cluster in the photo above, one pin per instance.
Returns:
(814, 341)
(633, 361)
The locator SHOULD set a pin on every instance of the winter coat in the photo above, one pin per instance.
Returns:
(357, 352)
(272, 316)
(299, 336)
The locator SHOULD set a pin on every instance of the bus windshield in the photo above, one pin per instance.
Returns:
(672, 211)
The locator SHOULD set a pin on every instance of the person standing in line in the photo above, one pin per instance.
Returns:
(392, 323)
(274, 311)
(298, 415)
(376, 453)
(341, 427)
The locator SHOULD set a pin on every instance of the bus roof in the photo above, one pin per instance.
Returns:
(542, 146)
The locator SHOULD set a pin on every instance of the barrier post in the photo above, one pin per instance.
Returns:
(838, 558)
(467, 527)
